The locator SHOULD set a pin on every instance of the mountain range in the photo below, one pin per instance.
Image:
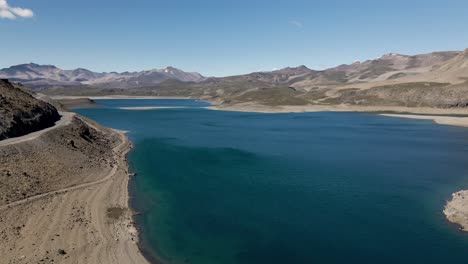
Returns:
(438, 79)
(386, 68)
(46, 76)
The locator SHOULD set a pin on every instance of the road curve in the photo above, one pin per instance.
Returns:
(64, 120)
(117, 152)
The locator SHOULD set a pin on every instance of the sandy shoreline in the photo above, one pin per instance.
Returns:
(255, 107)
(441, 120)
(439, 116)
(89, 222)
(110, 97)
(141, 108)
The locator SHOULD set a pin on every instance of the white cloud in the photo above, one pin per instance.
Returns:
(8, 12)
(22, 12)
(4, 13)
(296, 23)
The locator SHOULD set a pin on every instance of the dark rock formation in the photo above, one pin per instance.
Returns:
(21, 113)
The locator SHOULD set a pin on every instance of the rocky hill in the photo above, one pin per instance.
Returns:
(388, 67)
(21, 113)
(67, 185)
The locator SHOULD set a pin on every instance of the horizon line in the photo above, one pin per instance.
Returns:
(221, 76)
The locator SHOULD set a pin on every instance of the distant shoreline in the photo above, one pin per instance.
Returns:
(441, 120)
(454, 117)
(260, 108)
(111, 97)
(442, 116)
(139, 108)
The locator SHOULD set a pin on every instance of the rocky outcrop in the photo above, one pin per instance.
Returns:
(21, 113)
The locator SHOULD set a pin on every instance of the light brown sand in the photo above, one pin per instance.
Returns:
(108, 97)
(255, 107)
(442, 120)
(140, 108)
(426, 113)
(74, 219)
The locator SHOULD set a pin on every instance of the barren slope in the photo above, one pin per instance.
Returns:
(21, 113)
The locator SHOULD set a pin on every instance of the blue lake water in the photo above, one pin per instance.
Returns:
(228, 187)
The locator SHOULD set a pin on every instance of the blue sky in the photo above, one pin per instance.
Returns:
(218, 38)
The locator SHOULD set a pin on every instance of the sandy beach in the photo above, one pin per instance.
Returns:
(86, 221)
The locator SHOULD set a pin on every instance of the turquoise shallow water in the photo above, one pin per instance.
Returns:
(226, 187)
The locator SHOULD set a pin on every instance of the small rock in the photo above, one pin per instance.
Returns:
(62, 252)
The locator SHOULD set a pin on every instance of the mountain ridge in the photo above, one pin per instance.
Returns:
(46, 76)
(21, 113)
(387, 67)
(437, 79)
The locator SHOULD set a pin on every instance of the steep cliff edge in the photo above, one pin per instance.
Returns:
(21, 113)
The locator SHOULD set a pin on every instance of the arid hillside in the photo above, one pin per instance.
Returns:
(21, 113)
(63, 188)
